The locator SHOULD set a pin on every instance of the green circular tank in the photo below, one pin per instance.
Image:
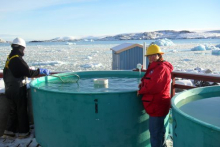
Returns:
(195, 118)
(88, 118)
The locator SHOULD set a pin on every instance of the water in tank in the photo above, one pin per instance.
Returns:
(206, 110)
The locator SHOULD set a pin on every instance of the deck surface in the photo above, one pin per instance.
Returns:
(31, 142)
(16, 142)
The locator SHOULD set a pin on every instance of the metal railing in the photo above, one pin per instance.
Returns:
(1, 74)
(193, 76)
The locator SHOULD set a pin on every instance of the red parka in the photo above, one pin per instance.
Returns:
(155, 88)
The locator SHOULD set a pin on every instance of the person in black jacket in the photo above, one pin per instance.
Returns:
(14, 74)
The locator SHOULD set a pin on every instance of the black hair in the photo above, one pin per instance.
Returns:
(160, 57)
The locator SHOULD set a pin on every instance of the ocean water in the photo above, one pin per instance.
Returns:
(86, 55)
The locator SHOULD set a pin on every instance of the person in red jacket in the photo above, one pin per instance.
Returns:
(155, 91)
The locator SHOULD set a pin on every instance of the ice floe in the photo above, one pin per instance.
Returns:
(91, 65)
(52, 63)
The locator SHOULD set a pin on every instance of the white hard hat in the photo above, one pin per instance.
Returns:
(19, 41)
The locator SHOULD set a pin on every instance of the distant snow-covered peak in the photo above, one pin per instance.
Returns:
(91, 37)
(69, 38)
(66, 38)
(2, 41)
(154, 35)
(169, 34)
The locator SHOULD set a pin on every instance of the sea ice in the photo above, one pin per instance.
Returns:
(70, 43)
(88, 58)
(198, 69)
(91, 65)
(59, 57)
(184, 82)
(173, 51)
(52, 63)
(2, 86)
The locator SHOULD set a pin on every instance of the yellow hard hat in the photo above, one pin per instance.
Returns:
(153, 49)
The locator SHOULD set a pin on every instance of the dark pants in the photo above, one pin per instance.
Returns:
(18, 118)
(157, 131)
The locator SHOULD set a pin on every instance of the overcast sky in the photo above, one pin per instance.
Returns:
(47, 19)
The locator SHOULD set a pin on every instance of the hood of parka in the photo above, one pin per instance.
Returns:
(17, 50)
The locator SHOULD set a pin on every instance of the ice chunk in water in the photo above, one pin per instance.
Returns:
(164, 42)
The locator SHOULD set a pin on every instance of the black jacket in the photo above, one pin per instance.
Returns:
(16, 71)
(19, 67)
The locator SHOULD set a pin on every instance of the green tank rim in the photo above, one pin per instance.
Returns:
(185, 94)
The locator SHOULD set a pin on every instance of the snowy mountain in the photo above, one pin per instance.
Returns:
(58, 39)
(91, 37)
(2, 41)
(67, 38)
(170, 34)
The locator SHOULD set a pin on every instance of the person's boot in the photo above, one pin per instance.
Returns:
(23, 135)
(8, 134)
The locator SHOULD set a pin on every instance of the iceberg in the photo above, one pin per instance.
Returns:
(210, 47)
(204, 47)
(199, 48)
(218, 46)
(164, 42)
(216, 52)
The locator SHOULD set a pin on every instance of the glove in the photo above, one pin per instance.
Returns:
(44, 71)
